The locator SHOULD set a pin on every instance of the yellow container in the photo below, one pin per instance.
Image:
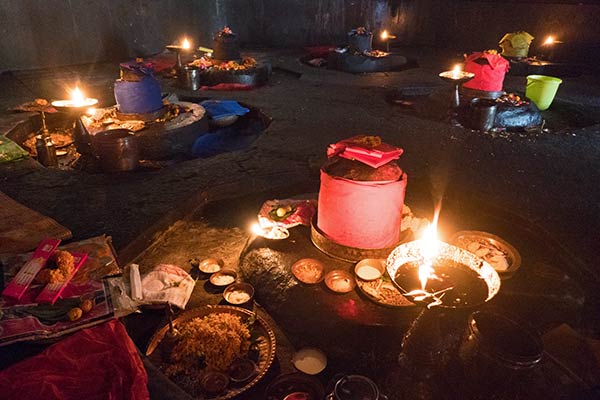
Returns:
(541, 90)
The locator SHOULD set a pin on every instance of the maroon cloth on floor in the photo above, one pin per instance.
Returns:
(96, 363)
(319, 51)
(228, 86)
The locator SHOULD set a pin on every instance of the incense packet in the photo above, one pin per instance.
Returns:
(19, 284)
(52, 291)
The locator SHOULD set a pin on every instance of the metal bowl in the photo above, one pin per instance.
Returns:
(223, 277)
(412, 252)
(308, 270)
(333, 278)
(463, 238)
(373, 264)
(229, 293)
(211, 265)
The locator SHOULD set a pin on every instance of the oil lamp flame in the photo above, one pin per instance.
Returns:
(273, 232)
(186, 44)
(550, 40)
(384, 35)
(456, 71)
(77, 97)
(430, 249)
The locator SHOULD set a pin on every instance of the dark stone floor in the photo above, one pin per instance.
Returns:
(549, 180)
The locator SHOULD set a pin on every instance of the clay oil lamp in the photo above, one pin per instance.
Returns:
(184, 47)
(386, 37)
(457, 77)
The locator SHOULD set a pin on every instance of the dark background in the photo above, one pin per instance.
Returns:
(35, 33)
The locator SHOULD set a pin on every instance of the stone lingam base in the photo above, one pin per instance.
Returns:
(358, 63)
(160, 139)
(193, 78)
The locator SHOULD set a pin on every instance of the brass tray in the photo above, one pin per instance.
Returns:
(351, 254)
(266, 344)
(513, 257)
(373, 291)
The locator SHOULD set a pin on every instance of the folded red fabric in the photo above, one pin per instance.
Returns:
(96, 363)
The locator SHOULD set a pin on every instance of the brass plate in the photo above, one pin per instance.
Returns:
(376, 290)
(462, 238)
(351, 254)
(266, 346)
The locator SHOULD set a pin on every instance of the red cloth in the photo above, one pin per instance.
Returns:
(319, 51)
(358, 148)
(96, 363)
(489, 70)
(228, 86)
(363, 214)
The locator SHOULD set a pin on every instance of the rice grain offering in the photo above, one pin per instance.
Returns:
(217, 338)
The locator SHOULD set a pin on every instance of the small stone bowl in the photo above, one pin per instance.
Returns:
(370, 269)
(223, 278)
(211, 265)
(340, 281)
(235, 293)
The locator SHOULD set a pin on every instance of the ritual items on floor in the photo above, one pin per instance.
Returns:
(489, 68)
(10, 151)
(500, 254)
(20, 283)
(515, 44)
(360, 205)
(359, 56)
(167, 284)
(227, 66)
(99, 362)
(228, 339)
(85, 300)
(168, 132)
(286, 213)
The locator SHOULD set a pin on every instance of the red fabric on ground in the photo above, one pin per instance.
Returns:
(228, 86)
(96, 363)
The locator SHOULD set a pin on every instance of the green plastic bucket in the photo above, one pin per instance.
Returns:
(541, 90)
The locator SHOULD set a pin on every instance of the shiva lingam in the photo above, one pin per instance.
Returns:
(457, 77)
(448, 283)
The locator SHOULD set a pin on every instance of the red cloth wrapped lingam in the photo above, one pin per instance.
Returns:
(362, 194)
(489, 68)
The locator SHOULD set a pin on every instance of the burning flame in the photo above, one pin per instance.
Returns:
(270, 232)
(186, 44)
(430, 249)
(77, 97)
(550, 40)
(455, 75)
(384, 35)
(256, 229)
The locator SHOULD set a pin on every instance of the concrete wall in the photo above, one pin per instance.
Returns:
(41, 33)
